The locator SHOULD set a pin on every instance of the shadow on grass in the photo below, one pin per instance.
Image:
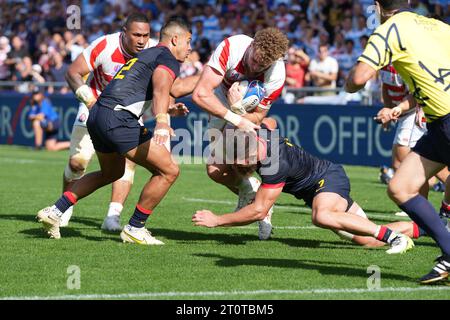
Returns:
(187, 236)
(68, 233)
(89, 222)
(323, 267)
(241, 239)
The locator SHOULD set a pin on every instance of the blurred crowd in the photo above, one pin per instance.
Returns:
(326, 36)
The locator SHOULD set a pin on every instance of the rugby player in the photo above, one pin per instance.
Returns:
(101, 61)
(146, 80)
(419, 49)
(323, 185)
(238, 58)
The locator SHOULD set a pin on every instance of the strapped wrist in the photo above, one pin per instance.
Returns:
(233, 118)
(161, 118)
(85, 95)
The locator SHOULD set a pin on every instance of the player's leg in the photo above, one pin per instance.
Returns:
(445, 206)
(224, 175)
(404, 190)
(38, 133)
(120, 190)
(329, 212)
(81, 153)
(157, 159)
(112, 167)
(52, 144)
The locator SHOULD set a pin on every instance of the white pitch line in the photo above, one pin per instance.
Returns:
(299, 209)
(227, 293)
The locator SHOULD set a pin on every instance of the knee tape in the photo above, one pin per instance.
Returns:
(70, 174)
(128, 175)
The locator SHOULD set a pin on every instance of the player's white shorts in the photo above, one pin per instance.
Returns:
(408, 132)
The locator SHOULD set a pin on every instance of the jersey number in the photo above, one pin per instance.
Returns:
(125, 67)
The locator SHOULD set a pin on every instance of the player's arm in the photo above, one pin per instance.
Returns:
(75, 75)
(206, 99)
(265, 199)
(185, 86)
(358, 77)
(257, 116)
(162, 81)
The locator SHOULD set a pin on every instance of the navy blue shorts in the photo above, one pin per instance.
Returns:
(435, 144)
(115, 131)
(336, 181)
(48, 135)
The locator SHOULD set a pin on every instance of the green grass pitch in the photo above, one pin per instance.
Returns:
(299, 262)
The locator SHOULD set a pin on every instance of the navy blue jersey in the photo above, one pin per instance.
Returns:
(132, 87)
(291, 167)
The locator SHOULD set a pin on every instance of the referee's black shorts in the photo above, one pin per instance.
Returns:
(435, 144)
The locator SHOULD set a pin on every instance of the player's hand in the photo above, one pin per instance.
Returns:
(162, 133)
(91, 103)
(248, 126)
(385, 116)
(420, 118)
(235, 94)
(205, 218)
(178, 109)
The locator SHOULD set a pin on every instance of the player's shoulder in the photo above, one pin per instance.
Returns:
(276, 71)
(399, 21)
(238, 38)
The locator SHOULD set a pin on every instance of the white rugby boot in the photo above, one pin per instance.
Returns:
(131, 234)
(50, 219)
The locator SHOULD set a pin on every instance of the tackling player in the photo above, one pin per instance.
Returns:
(323, 185)
(419, 49)
(145, 80)
(240, 58)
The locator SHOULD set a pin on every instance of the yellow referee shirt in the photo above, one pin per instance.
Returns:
(419, 48)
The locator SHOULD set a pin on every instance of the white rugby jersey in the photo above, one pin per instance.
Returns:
(105, 56)
(396, 88)
(227, 59)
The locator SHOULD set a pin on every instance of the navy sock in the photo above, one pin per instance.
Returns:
(384, 234)
(139, 217)
(65, 202)
(422, 212)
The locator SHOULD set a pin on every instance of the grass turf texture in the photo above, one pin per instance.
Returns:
(195, 263)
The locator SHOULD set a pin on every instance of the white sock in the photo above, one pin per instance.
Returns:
(115, 209)
(57, 211)
(68, 213)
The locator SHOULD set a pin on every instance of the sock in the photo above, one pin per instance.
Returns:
(115, 208)
(445, 209)
(65, 202)
(385, 234)
(422, 212)
(419, 232)
(139, 217)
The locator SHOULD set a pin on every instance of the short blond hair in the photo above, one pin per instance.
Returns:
(271, 43)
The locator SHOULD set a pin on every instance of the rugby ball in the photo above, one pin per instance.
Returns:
(254, 92)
